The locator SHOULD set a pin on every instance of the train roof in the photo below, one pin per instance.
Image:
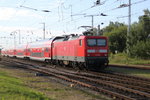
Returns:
(22, 46)
(74, 37)
(45, 42)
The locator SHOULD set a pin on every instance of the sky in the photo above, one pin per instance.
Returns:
(26, 18)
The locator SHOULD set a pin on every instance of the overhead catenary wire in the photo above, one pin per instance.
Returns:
(128, 16)
(24, 1)
(77, 13)
(67, 18)
(73, 14)
(125, 5)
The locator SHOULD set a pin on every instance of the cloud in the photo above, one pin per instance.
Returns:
(8, 13)
(9, 29)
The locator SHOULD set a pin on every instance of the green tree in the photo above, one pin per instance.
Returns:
(145, 24)
(116, 33)
(139, 36)
(141, 49)
(141, 30)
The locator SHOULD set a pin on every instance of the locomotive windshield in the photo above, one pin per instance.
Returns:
(91, 42)
(96, 42)
(101, 42)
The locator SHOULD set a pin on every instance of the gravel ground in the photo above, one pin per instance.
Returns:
(50, 86)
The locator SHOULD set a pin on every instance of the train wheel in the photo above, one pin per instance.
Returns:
(81, 66)
(86, 66)
(75, 65)
(46, 61)
(103, 67)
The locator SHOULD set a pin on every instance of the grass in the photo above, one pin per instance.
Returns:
(18, 84)
(135, 72)
(12, 88)
(122, 58)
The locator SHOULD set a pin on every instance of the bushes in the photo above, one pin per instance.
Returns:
(117, 37)
(141, 50)
(138, 43)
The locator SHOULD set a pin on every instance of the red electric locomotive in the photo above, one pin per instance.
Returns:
(81, 51)
(72, 50)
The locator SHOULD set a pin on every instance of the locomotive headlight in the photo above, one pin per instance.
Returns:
(103, 51)
(105, 54)
(91, 51)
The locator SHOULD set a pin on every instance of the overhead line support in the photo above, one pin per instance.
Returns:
(129, 28)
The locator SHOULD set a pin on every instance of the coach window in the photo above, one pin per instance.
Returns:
(80, 42)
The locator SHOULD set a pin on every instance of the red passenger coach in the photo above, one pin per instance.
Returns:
(41, 50)
(11, 52)
(21, 51)
(3, 52)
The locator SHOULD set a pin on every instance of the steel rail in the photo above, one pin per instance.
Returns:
(130, 66)
(67, 77)
(104, 83)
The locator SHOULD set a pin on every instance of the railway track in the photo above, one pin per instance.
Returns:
(131, 66)
(114, 85)
(130, 82)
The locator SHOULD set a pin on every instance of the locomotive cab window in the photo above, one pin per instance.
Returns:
(80, 42)
(101, 42)
(91, 42)
(96, 42)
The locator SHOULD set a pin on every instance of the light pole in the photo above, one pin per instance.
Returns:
(13, 34)
(43, 30)
(45, 10)
(19, 36)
